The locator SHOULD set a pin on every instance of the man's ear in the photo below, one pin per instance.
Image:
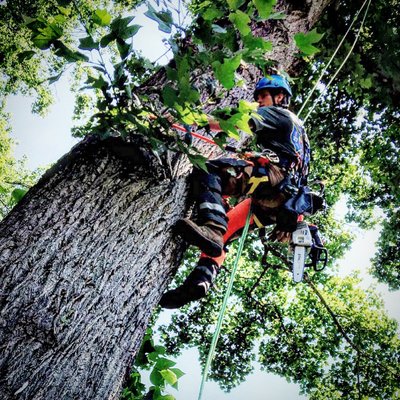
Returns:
(279, 98)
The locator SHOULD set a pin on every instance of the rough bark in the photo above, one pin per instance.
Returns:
(84, 259)
(87, 254)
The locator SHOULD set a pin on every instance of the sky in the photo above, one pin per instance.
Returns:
(44, 140)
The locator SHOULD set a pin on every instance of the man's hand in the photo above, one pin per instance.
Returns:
(280, 236)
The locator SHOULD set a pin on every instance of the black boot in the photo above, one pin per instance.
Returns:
(208, 237)
(193, 288)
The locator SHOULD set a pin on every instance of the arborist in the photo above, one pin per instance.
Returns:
(270, 176)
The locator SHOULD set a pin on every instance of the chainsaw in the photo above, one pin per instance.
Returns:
(306, 243)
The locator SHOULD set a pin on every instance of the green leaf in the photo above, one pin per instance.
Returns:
(25, 55)
(235, 4)
(107, 39)
(55, 29)
(169, 96)
(64, 11)
(221, 139)
(121, 23)
(47, 36)
(69, 55)
(18, 193)
(129, 31)
(60, 20)
(241, 20)
(212, 13)
(177, 372)
(128, 91)
(169, 376)
(240, 121)
(119, 75)
(124, 48)
(97, 83)
(172, 74)
(198, 161)
(164, 363)
(253, 43)
(88, 43)
(43, 43)
(101, 17)
(225, 72)
(186, 114)
(264, 7)
(305, 41)
(156, 378)
(120, 27)
(192, 96)
(64, 3)
(366, 83)
(160, 349)
(246, 106)
(230, 128)
(153, 356)
(76, 56)
(163, 18)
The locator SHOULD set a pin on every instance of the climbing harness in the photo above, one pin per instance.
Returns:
(224, 305)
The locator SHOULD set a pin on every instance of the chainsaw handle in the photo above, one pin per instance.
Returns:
(314, 263)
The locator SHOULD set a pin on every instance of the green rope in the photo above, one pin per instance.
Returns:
(341, 65)
(331, 59)
(224, 304)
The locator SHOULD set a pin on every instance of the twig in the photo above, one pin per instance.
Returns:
(359, 351)
(162, 55)
(332, 314)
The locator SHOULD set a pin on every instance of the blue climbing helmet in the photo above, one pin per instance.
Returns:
(273, 82)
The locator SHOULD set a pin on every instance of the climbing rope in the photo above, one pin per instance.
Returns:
(341, 65)
(224, 304)
(331, 59)
(194, 134)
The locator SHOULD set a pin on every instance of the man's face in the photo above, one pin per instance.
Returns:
(264, 98)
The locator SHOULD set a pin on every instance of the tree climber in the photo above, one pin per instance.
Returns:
(267, 177)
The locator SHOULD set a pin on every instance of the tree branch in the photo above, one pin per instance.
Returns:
(360, 352)
(331, 313)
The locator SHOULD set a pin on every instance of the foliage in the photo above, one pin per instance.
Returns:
(386, 264)
(162, 373)
(21, 71)
(25, 69)
(305, 42)
(327, 334)
(15, 180)
(116, 72)
(356, 123)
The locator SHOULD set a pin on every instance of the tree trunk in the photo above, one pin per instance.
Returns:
(86, 256)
